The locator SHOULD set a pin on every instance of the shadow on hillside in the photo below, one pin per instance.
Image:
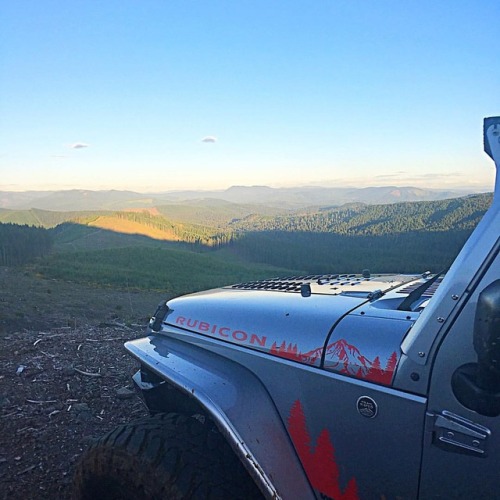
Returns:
(315, 252)
(409, 252)
(71, 236)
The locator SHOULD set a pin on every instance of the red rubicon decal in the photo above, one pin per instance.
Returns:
(240, 336)
(342, 357)
(319, 461)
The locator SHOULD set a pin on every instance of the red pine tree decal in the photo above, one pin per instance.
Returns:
(391, 363)
(325, 475)
(376, 365)
(389, 369)
(375, 373)
(351, 491)
(273, 350)
(289, 352)
(320, 465)
(297, 427)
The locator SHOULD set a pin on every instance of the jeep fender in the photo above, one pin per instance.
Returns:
(238, 403)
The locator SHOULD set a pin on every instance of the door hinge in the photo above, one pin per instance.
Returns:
(457, 434)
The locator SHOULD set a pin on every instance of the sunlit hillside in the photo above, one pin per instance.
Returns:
(126, 226)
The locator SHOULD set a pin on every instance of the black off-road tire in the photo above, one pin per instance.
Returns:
(167, 456)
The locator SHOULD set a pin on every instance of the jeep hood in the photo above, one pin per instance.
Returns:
(303, 319)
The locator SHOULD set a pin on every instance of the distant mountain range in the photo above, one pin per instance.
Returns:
(284, 198)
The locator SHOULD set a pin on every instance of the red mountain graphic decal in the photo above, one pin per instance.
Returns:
(343, 358)
(346, 358)
(318, 460)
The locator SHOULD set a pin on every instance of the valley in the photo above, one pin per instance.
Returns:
(185, 247)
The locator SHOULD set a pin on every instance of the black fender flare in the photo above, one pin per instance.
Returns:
(229, 393)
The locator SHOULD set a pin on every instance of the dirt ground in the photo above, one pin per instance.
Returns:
(58, 390)
(65, 377)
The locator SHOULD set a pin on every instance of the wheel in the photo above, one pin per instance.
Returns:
(165, 456)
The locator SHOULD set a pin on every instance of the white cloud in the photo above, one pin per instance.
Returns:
(79, 145)
(209, 139)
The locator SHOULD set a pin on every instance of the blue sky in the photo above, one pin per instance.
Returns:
(122, 94)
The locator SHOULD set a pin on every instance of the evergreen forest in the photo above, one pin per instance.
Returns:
(186, 248)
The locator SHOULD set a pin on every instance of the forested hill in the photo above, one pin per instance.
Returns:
(47, 218)
(402, 237)
(214, 224)
(446, 215)
(20, 244)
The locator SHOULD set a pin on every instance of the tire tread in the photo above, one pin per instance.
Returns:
(165, 456)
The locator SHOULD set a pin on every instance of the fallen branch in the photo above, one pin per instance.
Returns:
(40, 402)
(48, 355)
(8, 414)
(103, 340)
(26, 470)
(25, 429)
(88, 374)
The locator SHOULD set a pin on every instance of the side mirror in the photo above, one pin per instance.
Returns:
(487, 337)
(477, 385)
